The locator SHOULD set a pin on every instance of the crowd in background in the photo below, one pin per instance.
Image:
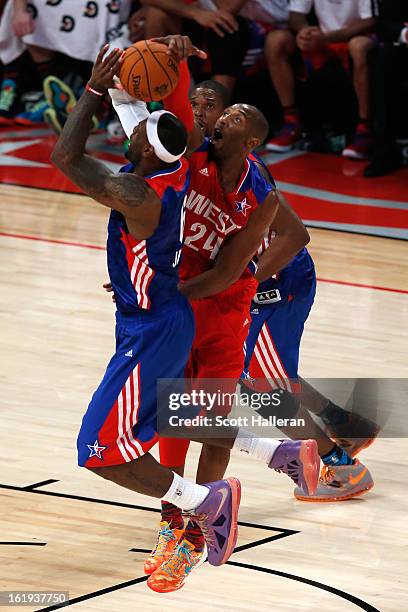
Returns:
(330, 75)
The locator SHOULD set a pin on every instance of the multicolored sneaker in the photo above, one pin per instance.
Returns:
(286, 138)
(339, 483)
(59, 96)
(34, 115)
(167, 540)
(217, 518)
(300, 460)
(8, 101)
(172, 574)
(362, 144)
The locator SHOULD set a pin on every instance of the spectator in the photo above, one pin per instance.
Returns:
(226, 35)
(390, 63)
(343, 25)
(75, 29)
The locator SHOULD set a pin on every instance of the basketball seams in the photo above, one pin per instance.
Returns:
(133, 65)
(160, 64)
(147, 74)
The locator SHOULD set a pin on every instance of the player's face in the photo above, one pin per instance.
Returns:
(138, 141)
(231, 130)
(207, 107)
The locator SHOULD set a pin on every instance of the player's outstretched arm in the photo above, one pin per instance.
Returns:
(127, 193)
(291, 237)
(235, 255)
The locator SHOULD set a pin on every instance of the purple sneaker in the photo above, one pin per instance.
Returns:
(300, 460)
(217, 519)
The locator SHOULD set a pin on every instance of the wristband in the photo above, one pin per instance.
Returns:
(91, 90)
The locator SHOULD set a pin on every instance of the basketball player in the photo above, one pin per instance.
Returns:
(155, 326)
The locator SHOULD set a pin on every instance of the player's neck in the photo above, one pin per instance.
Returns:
(231, 169)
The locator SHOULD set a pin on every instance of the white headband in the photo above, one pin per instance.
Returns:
(153, 137)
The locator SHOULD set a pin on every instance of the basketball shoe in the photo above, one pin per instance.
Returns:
(300, 460)
(172, 574)
(361, 145)
(8, 101)
(217, 519)
(287, 136)
(338, 483)
(167, 540)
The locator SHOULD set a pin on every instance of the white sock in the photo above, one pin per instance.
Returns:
(260, 448)
(185, 494)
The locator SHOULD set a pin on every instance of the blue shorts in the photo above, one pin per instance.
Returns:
(120, 423)
(273, 342)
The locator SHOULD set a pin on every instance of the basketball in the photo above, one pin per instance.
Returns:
(148, 73)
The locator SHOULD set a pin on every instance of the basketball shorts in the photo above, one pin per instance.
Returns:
(120, 424)
(273, 343)
(222, 324)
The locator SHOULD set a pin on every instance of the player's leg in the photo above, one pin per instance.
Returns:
(119, 427)
(360, 48)
(276, 356)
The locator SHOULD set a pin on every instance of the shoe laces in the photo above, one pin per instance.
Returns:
(164, 536)
(327, 474)
(8, 94)
(181, 556)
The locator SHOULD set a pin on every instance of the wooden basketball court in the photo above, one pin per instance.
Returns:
(63, 529)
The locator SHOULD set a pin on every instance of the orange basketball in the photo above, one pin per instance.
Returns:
(148, 73)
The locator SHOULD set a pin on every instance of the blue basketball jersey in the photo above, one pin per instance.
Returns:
(144, 273)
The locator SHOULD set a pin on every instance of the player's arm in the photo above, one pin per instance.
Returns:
(178, 101)
(235, 255)
(291, 236)
(127, 193)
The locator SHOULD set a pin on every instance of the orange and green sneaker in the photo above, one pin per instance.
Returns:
(167, 540)
(171, 575)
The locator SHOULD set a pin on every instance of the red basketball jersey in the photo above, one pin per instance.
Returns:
(213, 216)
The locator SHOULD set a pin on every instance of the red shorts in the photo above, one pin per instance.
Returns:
(222, 325)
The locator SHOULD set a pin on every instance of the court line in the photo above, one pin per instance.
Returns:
(86, 245)
(95, 500)
(37, 485)
(23, 543)
(324, 587)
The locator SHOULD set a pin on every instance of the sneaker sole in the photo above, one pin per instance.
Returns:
(334, 499)
(310, 459)
(354, 155)
(235, 485)
(64, 88)
(278, 148)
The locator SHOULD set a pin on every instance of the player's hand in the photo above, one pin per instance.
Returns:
(23, 23)
(220, 21)
(109, 289)
(105, 69)
(180, 46)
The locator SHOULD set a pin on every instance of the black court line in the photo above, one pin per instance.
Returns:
(95, 500)
(36, 485)
(324, 587)
(75, 600)
(23, 543)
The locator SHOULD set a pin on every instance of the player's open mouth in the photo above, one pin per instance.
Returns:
(217, 134)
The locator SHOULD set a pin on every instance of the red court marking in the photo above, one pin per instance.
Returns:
(86, 245)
